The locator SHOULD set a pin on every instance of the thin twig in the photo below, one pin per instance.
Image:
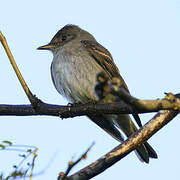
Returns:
(16, 69)
(33, 163)
(71, 164)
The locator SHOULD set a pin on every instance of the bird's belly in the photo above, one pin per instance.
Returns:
(75, 78)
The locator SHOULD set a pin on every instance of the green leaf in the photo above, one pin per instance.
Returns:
(8, 142)
(2, 146)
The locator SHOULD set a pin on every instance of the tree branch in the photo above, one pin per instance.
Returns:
(141, 106)
(143, 134)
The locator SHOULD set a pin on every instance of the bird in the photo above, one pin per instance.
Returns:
(77, 60)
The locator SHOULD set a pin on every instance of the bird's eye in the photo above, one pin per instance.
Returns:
(64, 38)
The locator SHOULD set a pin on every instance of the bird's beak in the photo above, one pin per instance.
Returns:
(46, 47)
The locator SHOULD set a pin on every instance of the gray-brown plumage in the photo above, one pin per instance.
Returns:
(78, 58)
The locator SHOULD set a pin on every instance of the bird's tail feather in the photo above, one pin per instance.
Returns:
(144, 151)
(152, 153)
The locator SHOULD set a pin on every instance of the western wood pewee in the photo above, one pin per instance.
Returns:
(78, 58)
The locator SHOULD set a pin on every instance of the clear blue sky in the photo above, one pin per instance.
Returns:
(144, 40)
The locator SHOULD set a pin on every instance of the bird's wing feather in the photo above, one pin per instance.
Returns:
(108, 126)
(103, 57)
(53, 77)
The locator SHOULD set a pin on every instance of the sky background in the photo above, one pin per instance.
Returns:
(144, 40)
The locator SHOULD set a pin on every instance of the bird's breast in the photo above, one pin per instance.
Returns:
(74, 76)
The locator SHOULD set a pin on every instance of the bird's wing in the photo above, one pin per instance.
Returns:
(103, 57)
(106, 124)
(53, 77)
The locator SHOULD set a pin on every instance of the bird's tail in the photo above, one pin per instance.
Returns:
(110, 122)
(144, 151)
